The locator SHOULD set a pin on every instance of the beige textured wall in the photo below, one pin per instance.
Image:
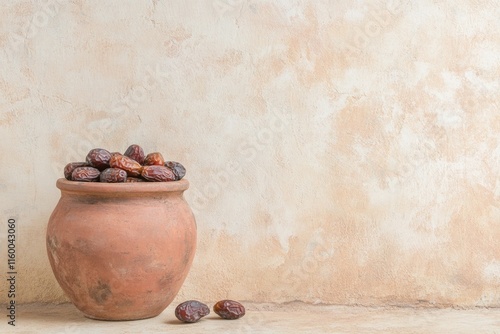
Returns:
(338, 151)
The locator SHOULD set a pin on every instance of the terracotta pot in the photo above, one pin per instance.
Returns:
(121, 251)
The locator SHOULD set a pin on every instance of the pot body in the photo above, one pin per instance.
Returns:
(121, 251)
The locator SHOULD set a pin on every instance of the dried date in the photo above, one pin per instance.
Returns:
(191, 311)
(229, 309)
(133, 163)
(69, 168)
(177, 168)
(98, 158)
(154, 158)
(135, 152)
(113, 175)
(157, 173)
(115, 153)
(132, 167)
(85, 174)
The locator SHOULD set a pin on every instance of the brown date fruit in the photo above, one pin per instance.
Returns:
(158, 173)
(154, 158)
(132, 179)
(113, 175)
(177, 168)
(85, 174)
(132, 167)
(115, 153)
(69, 168)
(229, 309)
(135, 152)
(98, 158)
(191, 311)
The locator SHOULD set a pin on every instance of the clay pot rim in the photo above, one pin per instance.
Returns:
(113, 188)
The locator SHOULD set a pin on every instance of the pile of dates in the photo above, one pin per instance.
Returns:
(132, 166)
(192, 310)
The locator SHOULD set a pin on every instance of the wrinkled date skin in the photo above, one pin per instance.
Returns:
(69, 168)
(158, 173)
(132, 167)
(154, 158)
(85, 174)
(229, 309)
(191, 311)
(113, 175)
(98, 158)
(177, 168)
(132, 179)
(135, 152)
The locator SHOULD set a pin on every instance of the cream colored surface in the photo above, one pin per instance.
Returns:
(341, 152)
(271, 318)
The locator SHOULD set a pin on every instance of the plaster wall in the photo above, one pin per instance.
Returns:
(343, 152)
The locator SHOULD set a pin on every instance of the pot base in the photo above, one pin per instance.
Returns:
(119, 319)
